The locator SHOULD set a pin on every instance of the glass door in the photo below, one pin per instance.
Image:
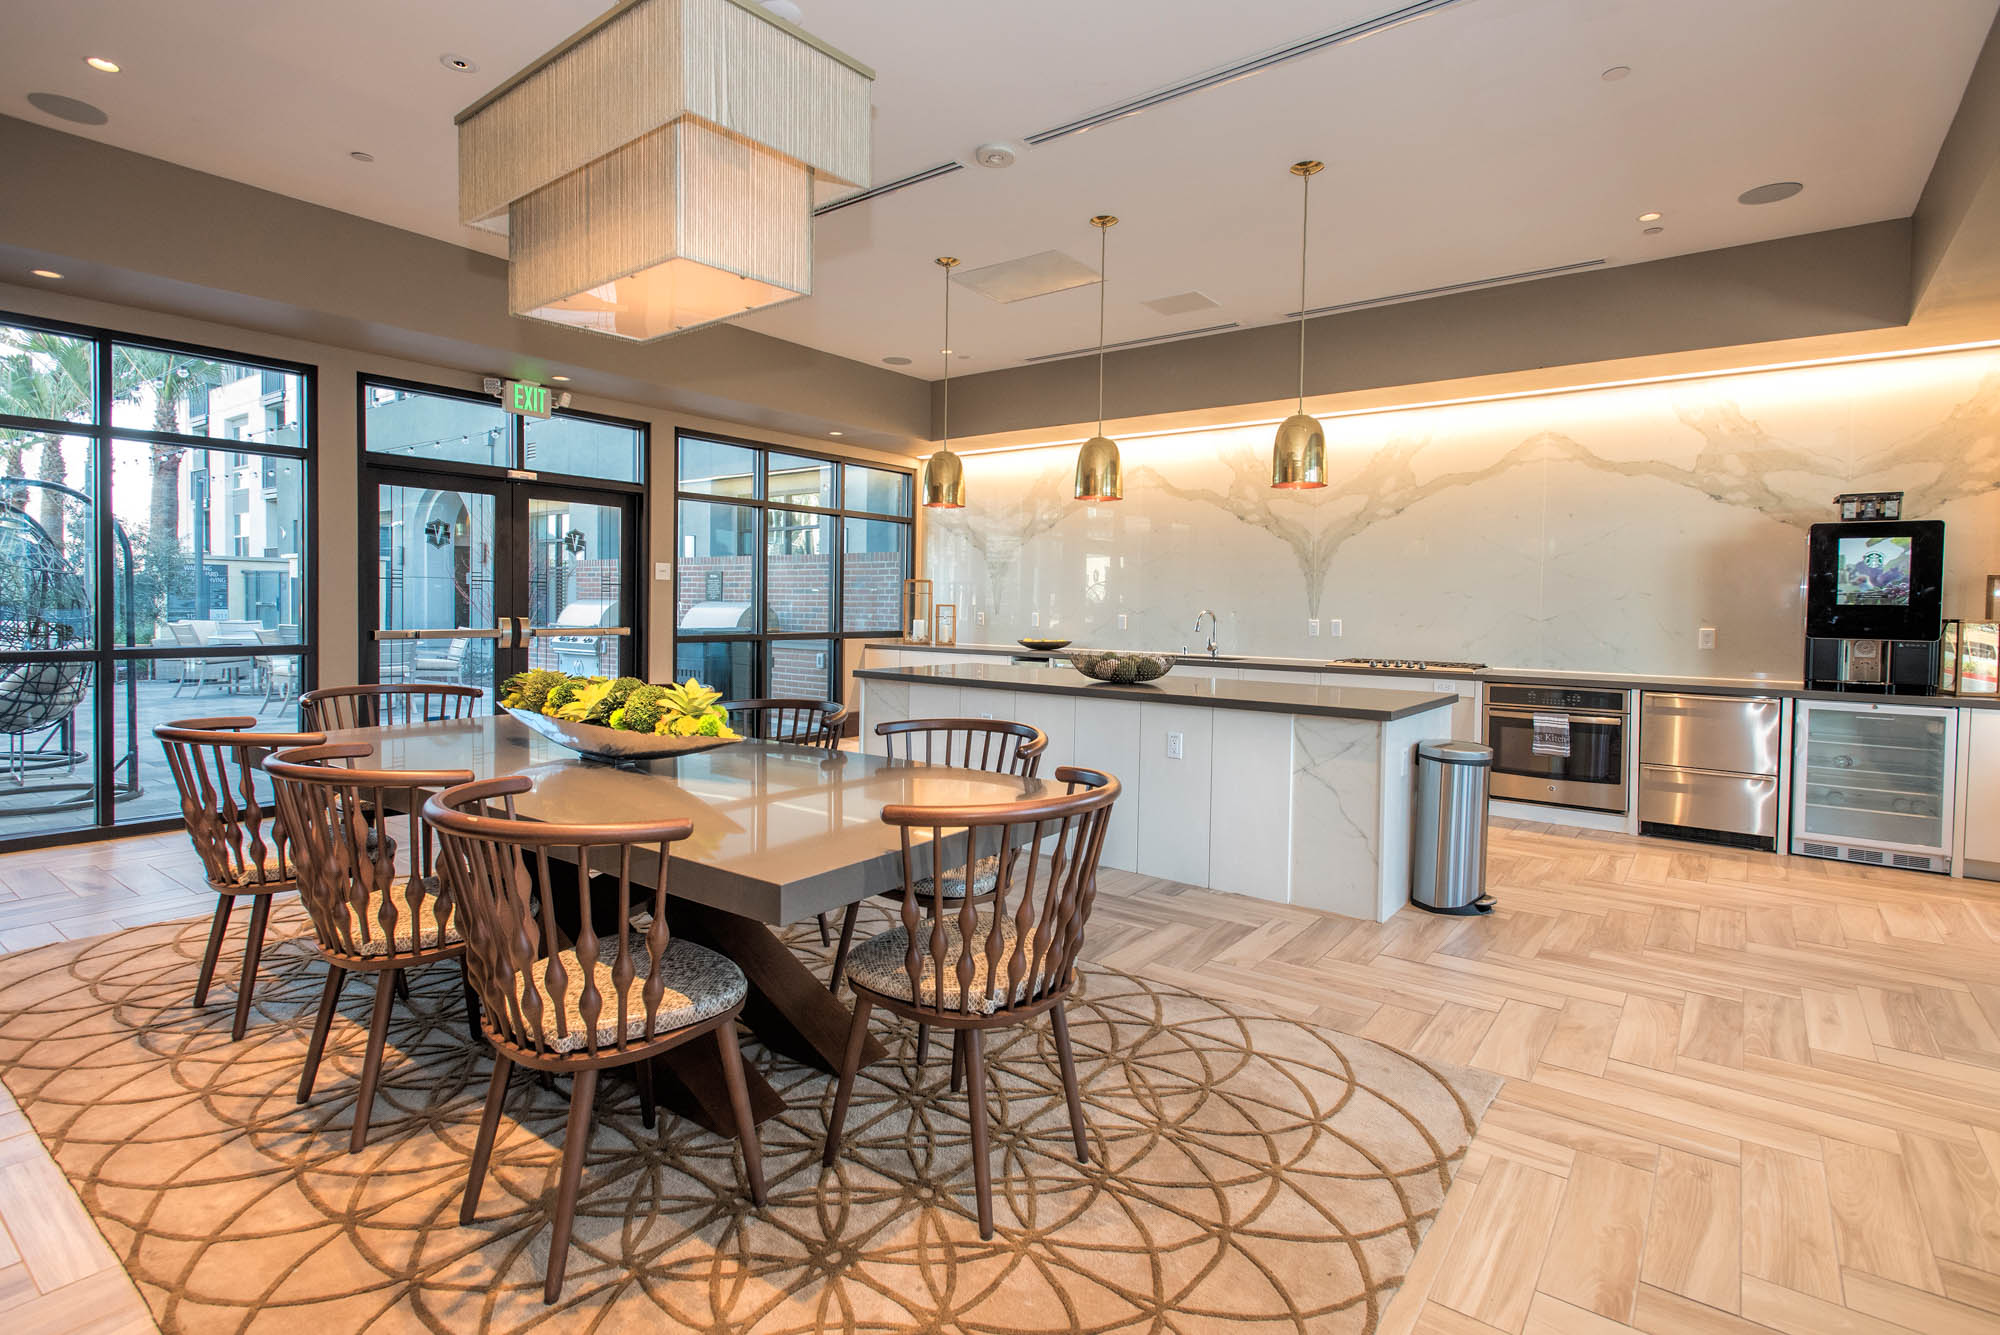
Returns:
(1875, 775)
(476, 581)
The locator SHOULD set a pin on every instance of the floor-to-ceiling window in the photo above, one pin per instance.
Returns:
(155, 545)
(495, 542)
(786, 559)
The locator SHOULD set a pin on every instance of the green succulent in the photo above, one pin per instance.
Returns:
(644, 708)
(559, 695)
(530, 689)
(613, 699)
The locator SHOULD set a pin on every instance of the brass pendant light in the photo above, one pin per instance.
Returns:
(1099, 474)
(1298, 455)
(944, 473)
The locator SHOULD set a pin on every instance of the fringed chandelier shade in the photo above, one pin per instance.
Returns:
(655, 172)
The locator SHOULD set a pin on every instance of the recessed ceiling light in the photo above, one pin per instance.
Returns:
(562, 379)
(1615, 73)
(458, 64)
(1654, 231)
(1651, 215)
(73, 110)
(1769, 194)
(359, 156)
(895, 361)
(45, 273)
(836, 433)
(101, 65)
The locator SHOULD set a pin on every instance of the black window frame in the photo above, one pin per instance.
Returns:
(514, 471)
(835, 636)
(105, 655)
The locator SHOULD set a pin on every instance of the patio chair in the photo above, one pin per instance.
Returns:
(199, 672)
(428, 664)
(279, 672)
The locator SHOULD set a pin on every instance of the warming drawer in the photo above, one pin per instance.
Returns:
(1738, 804)
(1728, 734)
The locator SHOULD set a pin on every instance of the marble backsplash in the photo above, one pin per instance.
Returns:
(1597, 529)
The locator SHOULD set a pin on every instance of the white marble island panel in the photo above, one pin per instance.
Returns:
(1293, 791)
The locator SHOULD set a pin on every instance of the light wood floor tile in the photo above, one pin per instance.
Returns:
(1958, 1197)
(1583, 1036)
(1775, 1307)
(1694, 1238)
(1515, 1039)
(1649, 1033)
(1490, 1271)
(1788, 1223)
(1914, 1308)
(1876, 1224)
(1599, 1237)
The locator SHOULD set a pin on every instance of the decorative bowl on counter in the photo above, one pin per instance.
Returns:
(615, 744)
(1121, 669)
(1042, 646)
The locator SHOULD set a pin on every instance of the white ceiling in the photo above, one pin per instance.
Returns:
(1476, 141)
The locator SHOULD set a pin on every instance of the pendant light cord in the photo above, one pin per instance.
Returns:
(947, 357)
(1103, 240)
(1305, 207)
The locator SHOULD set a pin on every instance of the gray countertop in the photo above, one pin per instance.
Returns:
(1367, 703)
(1622, 681)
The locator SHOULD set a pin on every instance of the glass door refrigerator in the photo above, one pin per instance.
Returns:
(1873, 783)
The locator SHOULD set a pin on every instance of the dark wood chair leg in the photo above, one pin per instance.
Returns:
(371, 1064)
(576, 1144)
(223, 905)
(982, 1167)
(739, 1103)
(471, 999)
(923, 1043)
(957, 1061)
(482, 1149)
(329, 997)
(648, 1113)
(253, 951)
(1070, 1092)
(825, 931)
(402, 986)
(846, 944)
(857, 1035)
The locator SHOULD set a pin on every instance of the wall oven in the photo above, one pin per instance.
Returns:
(1558, 746)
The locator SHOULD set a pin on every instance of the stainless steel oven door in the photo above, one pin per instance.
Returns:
(1591, 776)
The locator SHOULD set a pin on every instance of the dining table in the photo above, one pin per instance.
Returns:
(782, 833)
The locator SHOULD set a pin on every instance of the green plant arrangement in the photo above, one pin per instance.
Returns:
(622, 704)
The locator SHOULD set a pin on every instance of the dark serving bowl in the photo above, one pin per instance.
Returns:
(1042, 646)
(1122, 669)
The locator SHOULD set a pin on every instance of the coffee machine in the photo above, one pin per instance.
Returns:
(1875, 606)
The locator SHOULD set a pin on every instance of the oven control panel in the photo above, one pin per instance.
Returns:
(1557, 698)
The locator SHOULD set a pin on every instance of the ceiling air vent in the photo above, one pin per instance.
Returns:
(1182, 303)
(1028, 276)
(1133, 343)
(890, 187)
(1525, 275)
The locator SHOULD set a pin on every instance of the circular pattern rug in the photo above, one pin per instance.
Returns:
(1247, 1172)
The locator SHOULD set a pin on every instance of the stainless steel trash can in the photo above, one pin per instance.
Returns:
(1448, 863)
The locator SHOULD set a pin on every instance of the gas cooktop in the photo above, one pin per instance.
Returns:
(1408, 664)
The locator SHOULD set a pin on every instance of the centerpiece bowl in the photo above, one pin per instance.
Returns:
(615, 744)
(1043, 645)
(1121, 669)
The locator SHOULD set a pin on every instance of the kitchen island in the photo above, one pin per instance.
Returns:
(1299, 793)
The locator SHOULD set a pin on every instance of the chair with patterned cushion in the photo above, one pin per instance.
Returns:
(234, 825)
(968, 966)
(995, 745)
(332, 708)
(580, 1004)
(368, 915)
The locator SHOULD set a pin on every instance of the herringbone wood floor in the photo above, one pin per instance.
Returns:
(1747, 1093)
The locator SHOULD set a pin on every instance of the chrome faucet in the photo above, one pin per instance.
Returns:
(1213, 623)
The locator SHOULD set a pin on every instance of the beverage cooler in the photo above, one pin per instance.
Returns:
(1873, 783)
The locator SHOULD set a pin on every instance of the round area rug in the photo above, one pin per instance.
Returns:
(1247, 1173)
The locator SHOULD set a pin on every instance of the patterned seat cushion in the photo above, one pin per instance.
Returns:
(985, 876)
(877, 964)
(410, 937)
(273, 870)
(700, 984)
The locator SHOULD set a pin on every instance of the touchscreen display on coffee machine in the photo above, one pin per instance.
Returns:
(1873, 572)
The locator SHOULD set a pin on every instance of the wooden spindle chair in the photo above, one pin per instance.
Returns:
(969, 966)
(234, 826)
(367, 916)
(332, 708)
(585, 1004)
(998, 746)
(801, 722)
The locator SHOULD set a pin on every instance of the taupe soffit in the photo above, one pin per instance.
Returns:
(1957, 221)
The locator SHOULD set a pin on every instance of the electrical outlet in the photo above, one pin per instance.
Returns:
(663, 571)
(1034, 618)
(979, 617)
(1122, 623)
(1705, 639)
(1312, 627)
(1173, 746)
(1333, 627)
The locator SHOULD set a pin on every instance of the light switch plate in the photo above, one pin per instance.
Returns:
(1034, 618)
(979, 617)
(1173, 746)
(1122, 623)
(1333, 627)
(1705, 639)
(1312, 627)
(663, 571)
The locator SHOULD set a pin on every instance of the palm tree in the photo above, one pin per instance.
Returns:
(50, 377)
(174, 379)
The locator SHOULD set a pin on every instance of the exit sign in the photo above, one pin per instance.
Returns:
(525, 398)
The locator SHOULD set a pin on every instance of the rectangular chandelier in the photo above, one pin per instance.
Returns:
(655, 171)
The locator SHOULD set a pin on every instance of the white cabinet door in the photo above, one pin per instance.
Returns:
(1982, 794)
